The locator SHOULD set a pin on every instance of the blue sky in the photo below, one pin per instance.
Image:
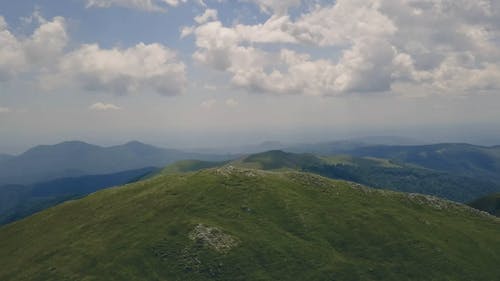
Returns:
(213, 73)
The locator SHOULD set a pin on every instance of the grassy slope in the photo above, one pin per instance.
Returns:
(490, 204)
(376, 172)
(286, 226)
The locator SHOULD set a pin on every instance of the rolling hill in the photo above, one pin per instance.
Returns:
(18, 201)
(489, 204)
(72, 159)
(375, 172)
(241, 224)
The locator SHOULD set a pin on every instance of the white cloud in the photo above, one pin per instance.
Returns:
(232, 102)
(433, 46)
(43, 57)
(99, 106)
(142, 68)
(208, 104)
(146, 5)
(34, 53)
(276, 6)
(4, 110)
(209, 14)
(186, 31)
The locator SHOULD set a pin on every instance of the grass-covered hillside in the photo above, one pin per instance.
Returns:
(490, 204)
(240, 224)
(376, 172)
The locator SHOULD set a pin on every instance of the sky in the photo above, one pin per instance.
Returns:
(208, 73)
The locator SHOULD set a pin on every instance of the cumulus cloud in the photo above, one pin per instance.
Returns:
(146, 5)
(209, 14)
(38, 51)
(99, 106)
(437, 46)
(142, 68)
(44, 56)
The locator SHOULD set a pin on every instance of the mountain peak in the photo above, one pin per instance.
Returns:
(63, 146)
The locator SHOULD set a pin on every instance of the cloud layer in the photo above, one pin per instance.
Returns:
(18, 55)
(411, 47)
(142, 68)
(45, 56)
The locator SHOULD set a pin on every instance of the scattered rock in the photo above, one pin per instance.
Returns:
(231, 170)
(310, 179)
(214, 238)
(442, 204)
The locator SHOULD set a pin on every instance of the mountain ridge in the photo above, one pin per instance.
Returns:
(75, 158)
(375, 172)
(233, 223)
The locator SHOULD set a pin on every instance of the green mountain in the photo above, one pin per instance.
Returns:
(73, 159)
(18, 201)
(383, 173)
(375, 172)
(490, 204)
(242, 224)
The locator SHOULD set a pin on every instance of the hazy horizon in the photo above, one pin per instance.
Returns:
(486, 136)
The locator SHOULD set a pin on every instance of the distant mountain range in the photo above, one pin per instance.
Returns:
(71, 159)
(320, 148)
(47, 175)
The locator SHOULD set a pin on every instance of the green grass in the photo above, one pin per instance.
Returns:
(283, 226)
(375, 172)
